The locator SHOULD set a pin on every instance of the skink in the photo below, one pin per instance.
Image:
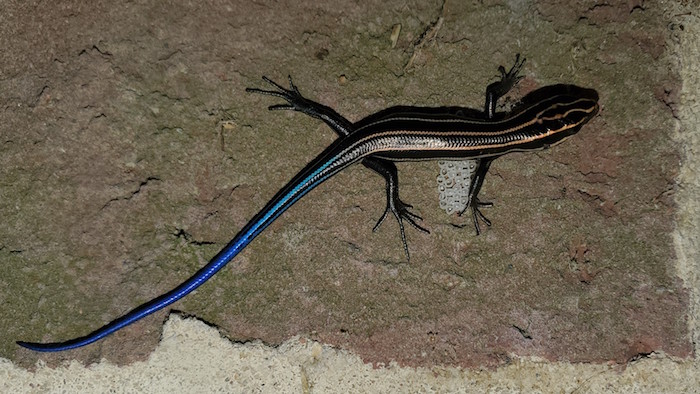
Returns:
(399, 133)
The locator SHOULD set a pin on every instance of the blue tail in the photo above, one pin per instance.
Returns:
(331, 161)
(218, 262)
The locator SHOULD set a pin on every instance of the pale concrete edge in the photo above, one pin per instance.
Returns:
(686, 235)
(193, 355)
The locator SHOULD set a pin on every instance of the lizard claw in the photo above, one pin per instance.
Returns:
(296, 102)
(401, 211)
(476, 213)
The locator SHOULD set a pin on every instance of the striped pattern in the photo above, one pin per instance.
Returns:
(421, 134)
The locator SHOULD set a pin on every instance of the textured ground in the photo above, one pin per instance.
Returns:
(129, 155)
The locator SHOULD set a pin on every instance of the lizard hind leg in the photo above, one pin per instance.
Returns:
(398, 208)
(296, 102)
